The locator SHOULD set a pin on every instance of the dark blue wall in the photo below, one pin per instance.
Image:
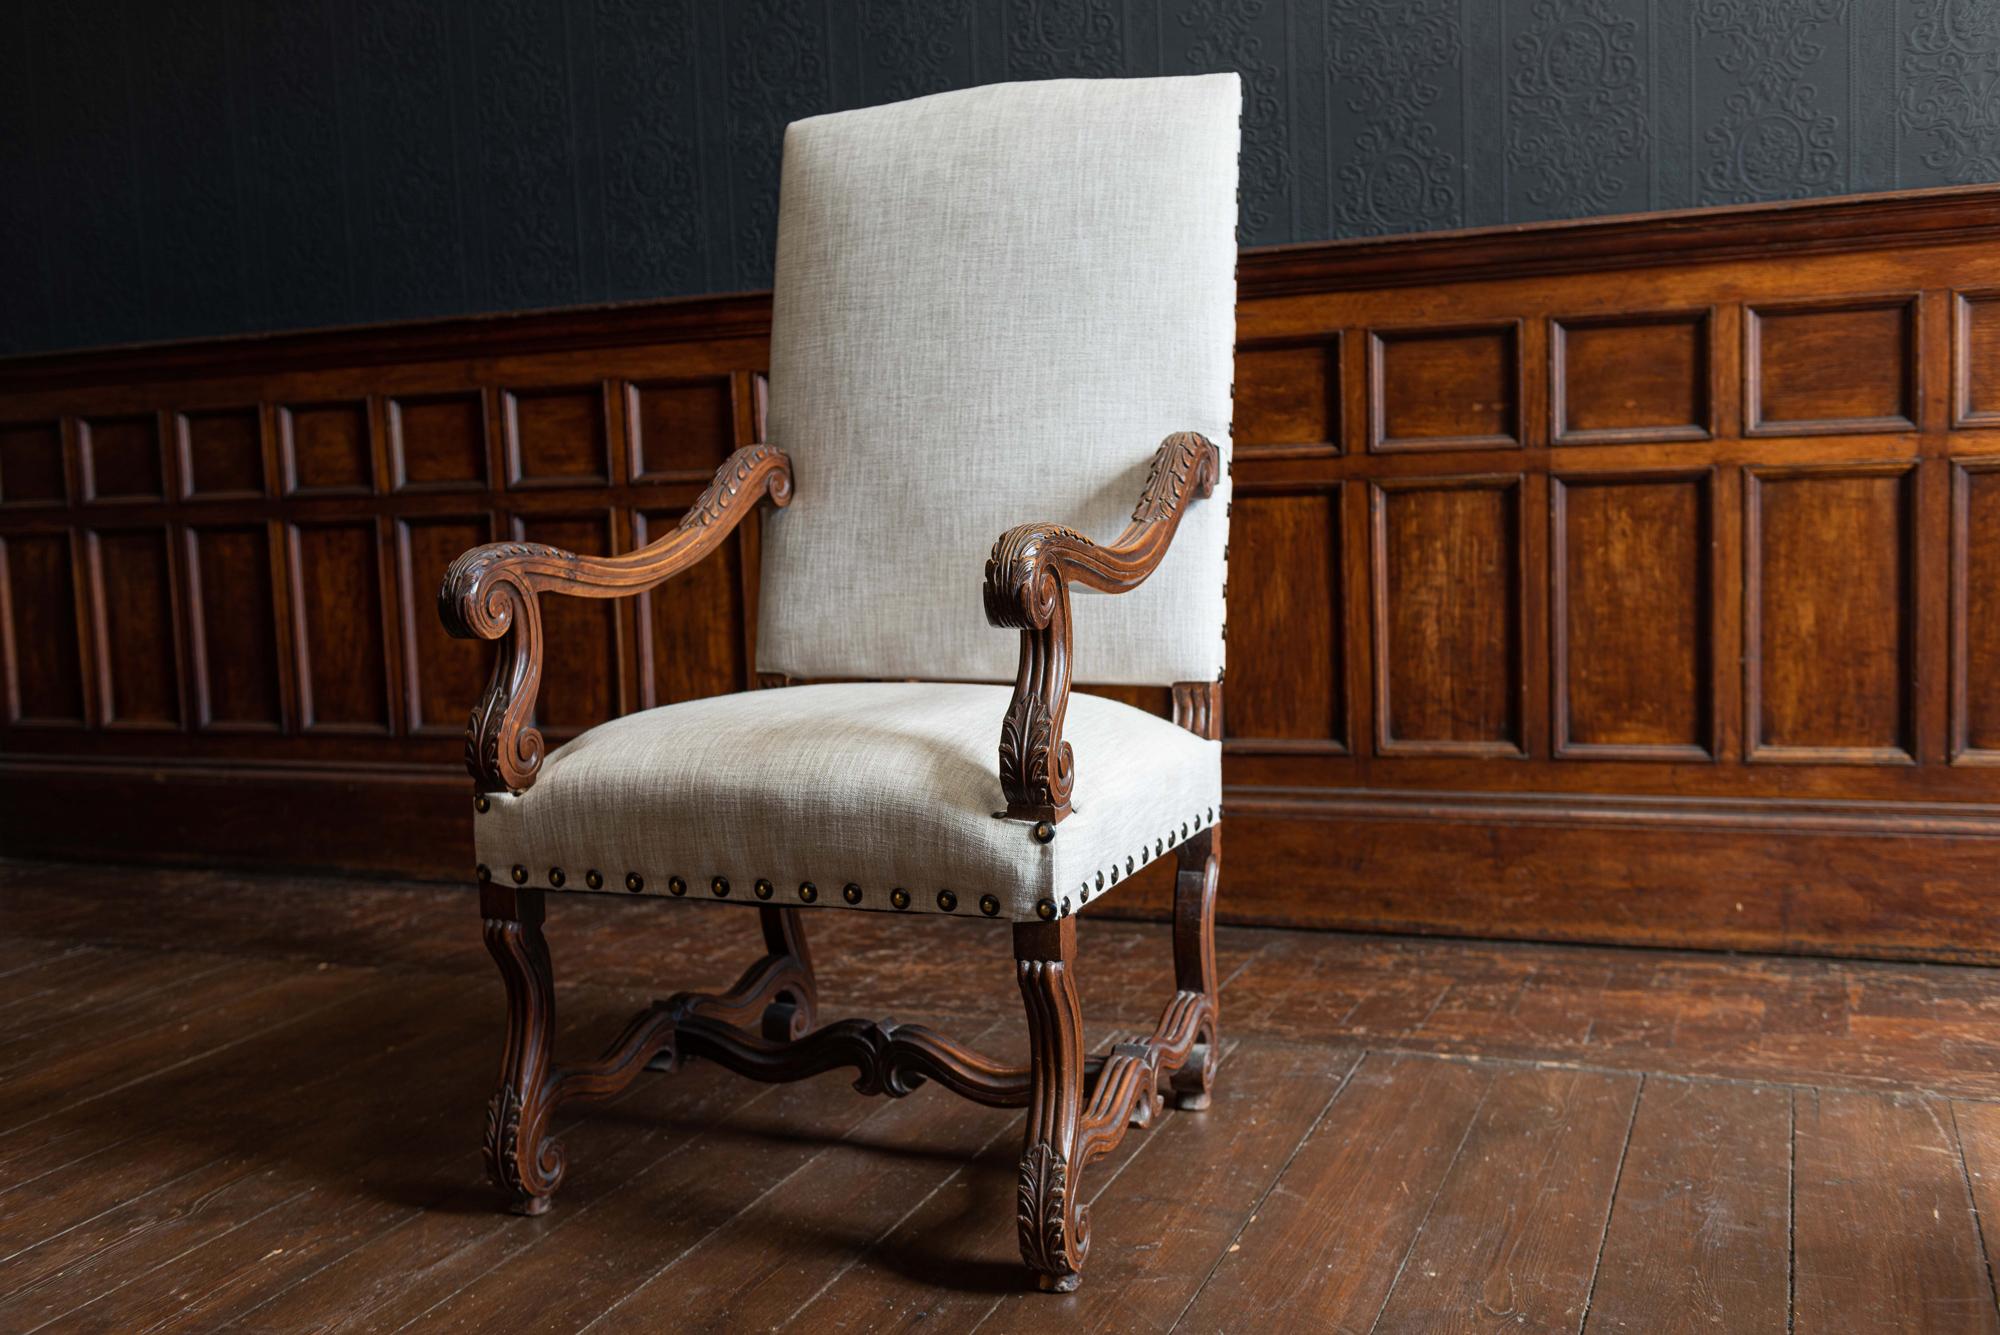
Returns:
(181, 167)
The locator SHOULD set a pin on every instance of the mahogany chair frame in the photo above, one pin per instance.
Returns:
(765, 1026)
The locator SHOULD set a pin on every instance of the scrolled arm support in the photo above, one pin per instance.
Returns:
(1028, 580)
(491, 593)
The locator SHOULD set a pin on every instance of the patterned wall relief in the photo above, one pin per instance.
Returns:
(1951, 87)
(1776, 138)
(1391, 61)
(182, 170)
(1577, 127)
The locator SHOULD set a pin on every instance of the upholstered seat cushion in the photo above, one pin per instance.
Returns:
(886, 787)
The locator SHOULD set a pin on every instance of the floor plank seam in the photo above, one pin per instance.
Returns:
(1236, 1238)
(1792, 1214)
(1611, 1205)
(1972, 1201)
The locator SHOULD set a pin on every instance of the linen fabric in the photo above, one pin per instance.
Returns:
(991, 306)
(884, 785)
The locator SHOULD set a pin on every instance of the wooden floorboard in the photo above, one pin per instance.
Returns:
(253, 1103)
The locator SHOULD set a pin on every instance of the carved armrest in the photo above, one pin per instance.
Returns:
(1028, 578)
(490, 594)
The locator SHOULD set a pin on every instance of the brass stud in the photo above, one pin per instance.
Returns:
(900, 897)
(1114, 873)
(1045, 909)
(1083, 894)
(808, 892)
(1065, 906)
(520, 874)
(1100, 880)
(947, 901)
(556, 877)
(481, 805)
(634, 882)
(594, 879)
(1183, 829)
(1044, 832)
(851, 893)
(1129, 860)
(1159, 848)
(676, 886)
(763, 889)
(719, 887)
(989, 905)
(482, 873)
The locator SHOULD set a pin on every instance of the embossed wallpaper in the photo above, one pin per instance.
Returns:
(204, 167)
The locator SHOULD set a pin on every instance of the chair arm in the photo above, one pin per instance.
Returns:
(490, 594)
(1027, 587)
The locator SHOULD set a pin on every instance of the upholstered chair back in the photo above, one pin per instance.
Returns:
(991, 306)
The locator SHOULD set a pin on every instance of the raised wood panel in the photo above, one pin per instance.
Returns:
(679, 430)
(437, 442)
(556, 437)
(691, 628)
(1620, 380)
(582, 676)
(1975, 356)
(233, 625)
(1830, 367)
(1632, 608)
(1975, 612)
(1287, 398)
(442, 677)
(135, 628)
(1830, 614)
(339, 645)
(120, 458)
(221, 453)
(1287, 549)
(31, 464)
(1446, 579)
(39, 650)
(324, 449)
(1445, 388)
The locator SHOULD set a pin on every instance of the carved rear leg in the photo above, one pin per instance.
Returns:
(523, 1158)
(1055, 1228)
(1200, 860)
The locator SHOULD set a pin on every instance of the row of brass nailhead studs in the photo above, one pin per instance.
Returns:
(719, 886)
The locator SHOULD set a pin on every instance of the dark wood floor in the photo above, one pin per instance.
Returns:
(254, 1103)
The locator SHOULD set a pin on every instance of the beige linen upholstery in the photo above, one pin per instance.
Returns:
(991, 306)
(887, 786)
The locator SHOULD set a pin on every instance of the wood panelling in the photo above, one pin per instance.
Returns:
(1830, 366)
(679, 430)
(1615, 380)
(324, 449)
(1288, 548)
(120, 458)
(1632, 610)
(221, 453)
(437, 442)
(31, 463)
(335, 581)
(232, 620)
(556, 437)
(1445, 388)
(1445, 580)
(135, 627)
(40, 656)
(1546, 542)
(1288, 398)
(442, 677)
(1975, 359)
(1829, 613)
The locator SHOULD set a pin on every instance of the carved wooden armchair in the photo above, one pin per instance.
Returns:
(988, 302)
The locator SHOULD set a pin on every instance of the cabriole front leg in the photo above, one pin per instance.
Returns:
(1054, 1224)
(525, 1161)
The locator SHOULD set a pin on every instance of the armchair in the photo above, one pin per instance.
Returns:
(981, 298)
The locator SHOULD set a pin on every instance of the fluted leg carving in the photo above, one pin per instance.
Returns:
(523, 1158)
(1054, 1224)
(1200, 867)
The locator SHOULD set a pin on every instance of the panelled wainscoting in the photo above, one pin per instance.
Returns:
(1631, 580)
